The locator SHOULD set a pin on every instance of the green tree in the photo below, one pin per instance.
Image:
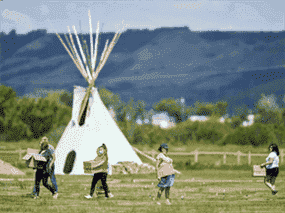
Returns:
(172, 107)
(242, 112)
(220, 108)
(66, 98)
(204, 109)
(7, 103)
(268, 110)
(141, 109)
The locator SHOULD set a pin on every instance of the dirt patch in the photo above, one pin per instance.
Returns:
(8, 169)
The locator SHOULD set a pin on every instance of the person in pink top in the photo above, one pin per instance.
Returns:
(165, 173)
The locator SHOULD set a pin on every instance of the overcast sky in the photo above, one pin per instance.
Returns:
(229, 15)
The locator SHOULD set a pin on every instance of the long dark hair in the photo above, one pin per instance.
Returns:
(274, 148)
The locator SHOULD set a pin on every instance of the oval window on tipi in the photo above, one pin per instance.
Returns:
(69, 162)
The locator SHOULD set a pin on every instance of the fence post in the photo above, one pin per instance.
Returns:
(196, 156)
(225, 158)
(20, 154)
(238, 157)
(249, 158)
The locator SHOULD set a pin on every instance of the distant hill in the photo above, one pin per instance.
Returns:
(150, 65)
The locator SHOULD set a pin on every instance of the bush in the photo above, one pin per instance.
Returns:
(255, 135)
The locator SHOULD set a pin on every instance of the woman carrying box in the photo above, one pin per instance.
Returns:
(272, 167)
(42, 172)
(165, 173)
(101, 171)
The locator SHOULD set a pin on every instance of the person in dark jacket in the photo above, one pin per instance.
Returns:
(51, 166)
(100, 171)
(43, 172)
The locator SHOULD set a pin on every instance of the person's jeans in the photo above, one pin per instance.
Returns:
(53, 181)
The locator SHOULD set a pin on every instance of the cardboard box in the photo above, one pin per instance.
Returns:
(33, 158)
(87, 166)
(258, 172)
(165, 170)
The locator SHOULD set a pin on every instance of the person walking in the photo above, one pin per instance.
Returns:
(165, 173)
(272, 167)
(100, 171)
(42, 172)
(51, 168)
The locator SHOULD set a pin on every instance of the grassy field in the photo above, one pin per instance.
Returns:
(203, 191)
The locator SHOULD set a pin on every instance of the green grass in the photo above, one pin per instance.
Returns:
(133, 196)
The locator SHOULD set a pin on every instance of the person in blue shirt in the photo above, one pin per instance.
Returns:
(272, 167)
(51, 168)
(43, 171)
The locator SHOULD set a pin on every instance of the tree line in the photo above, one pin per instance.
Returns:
(29, 118)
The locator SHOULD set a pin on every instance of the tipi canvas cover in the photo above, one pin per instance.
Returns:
(84, 140)
(91, 124)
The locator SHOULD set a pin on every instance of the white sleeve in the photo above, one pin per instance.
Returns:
(167, 159)
(272, 155)
(159, 156)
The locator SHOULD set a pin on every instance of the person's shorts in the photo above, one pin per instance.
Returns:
(272, 173)
(167, 181)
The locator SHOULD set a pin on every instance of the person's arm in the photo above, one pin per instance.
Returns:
(158, 161)
(267, 163)
(52, 160)
(99, 163)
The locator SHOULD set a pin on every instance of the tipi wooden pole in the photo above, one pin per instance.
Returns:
(84, 102)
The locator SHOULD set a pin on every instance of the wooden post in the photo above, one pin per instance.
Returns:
(249, 158)
(225, 158)
(238, 157)
(196, 156)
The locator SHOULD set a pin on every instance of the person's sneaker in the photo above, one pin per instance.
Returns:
(158, 203)
(55, 195)
(168, 202)
(88, 196)
(36, 197)
(274, 192)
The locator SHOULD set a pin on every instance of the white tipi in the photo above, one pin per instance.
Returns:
(91, 124)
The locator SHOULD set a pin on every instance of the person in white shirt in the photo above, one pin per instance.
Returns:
(272, 167)
(165, 173)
